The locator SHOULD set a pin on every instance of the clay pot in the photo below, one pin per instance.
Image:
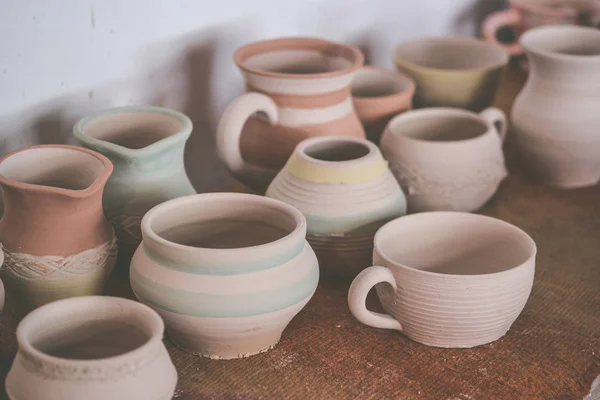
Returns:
(378, 95)
(346, 192)
(527, 14)
(555, 117)
(56, 241)
(92, 348)
(226, 271)
(453, 279)
(302, 85)
(146, 146)
(446, 159)
(452, 71)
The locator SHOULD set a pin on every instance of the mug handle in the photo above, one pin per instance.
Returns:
(357, 296)
(1, 295)
(497, 20)
(497, 119)
(229, 132)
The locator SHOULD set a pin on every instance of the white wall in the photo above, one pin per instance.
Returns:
(62, 59)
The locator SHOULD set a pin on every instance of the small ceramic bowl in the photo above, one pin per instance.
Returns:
(378, 95)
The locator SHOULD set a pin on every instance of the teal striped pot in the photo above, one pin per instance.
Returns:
(226, 271)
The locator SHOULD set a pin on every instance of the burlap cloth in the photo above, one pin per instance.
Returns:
(551, 352)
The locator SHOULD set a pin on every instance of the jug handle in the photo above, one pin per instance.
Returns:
(357, 296)
(497, 119)
(229, 132)
(497, 20)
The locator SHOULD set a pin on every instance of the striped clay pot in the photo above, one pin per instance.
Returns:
(346, 192)
(226, 271)
(303, 86)
(447, 279)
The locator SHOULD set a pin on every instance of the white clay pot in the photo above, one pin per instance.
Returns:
(555, 117)
(346, 192)
(448, 279)
(92, 348)
(446, 159)
(226, 271)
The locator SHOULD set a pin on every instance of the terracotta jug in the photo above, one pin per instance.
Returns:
(56, 241)
(146, 146)
(303, 86)
(556, 116)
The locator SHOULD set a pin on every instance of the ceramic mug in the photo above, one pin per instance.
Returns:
(226, 271)
(93, 348)
(526, 14)
(452, 71)
(302, 85)
(446, 159)
(378, 95)
(447, 279)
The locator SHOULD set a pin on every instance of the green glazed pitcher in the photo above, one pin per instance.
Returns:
(146, 146)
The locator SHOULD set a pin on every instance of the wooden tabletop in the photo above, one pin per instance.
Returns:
(551, 352)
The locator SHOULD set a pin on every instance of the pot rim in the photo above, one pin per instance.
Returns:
(192, 202)
(399, 61)
(94, 187)
(397, 76)
(151, 149)
(82, 303)
(354, 55)
(470, 277)
(543, 30)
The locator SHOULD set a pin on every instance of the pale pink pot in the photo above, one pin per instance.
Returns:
(447, 279)
(527, 14)
(378, 95)
(555, 117)
(446, 159)
(302, 85)
(92, 348)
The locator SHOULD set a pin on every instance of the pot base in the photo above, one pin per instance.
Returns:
(226, 351)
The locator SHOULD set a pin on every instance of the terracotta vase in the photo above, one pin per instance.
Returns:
(226, 271)
(302, 85)
(346, 192)
(55, 238)
(146, 145)
(92, 348)
(527, 14)
(378, 95)
(446, 159)
(460, 72)
(555, 117)
(447, 279)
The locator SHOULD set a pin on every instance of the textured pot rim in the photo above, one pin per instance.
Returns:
(96, 186)
(399, 61)
(437, 112)
(564, 29)
(396, 76)
(183, 133)
(87, 302)
(374, 154)
(355, 56)
(429, 214)
(223, 197)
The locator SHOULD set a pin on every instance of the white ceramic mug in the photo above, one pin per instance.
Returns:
(92, 348)
(446, 159)
(447, 279)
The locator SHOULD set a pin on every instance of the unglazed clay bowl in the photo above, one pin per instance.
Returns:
(344, 188)
(446, 159)
(378, 95)
(447, 279)
(92, 348)
(226, 271)
(452, 71)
